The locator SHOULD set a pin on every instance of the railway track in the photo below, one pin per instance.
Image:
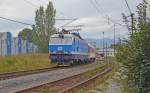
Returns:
(67, 85)
(85, 82)
(23, 84)
(5, 76)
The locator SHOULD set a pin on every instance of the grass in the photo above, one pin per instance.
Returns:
(24, 62)
(101, 84)
(93, 72)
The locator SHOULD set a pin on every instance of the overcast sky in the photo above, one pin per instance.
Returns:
(94, 23)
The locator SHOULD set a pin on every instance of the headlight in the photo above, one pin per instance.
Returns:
(54, 52)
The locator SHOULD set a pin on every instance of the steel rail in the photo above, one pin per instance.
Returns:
(4, 76)
(68, 90)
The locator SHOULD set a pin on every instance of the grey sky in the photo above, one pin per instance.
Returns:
(94, 23)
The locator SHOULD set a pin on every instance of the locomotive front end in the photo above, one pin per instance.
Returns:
(60, 47)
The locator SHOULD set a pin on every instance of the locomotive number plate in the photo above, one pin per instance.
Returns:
(59, 48)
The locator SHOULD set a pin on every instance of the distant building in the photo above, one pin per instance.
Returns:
(109, 51)
(99, 56)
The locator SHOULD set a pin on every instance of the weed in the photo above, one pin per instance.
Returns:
(24, 62)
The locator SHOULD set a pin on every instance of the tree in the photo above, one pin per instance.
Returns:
(135, 54)
(27, 32)
(44, 26)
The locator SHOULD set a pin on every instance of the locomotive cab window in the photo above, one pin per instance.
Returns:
(61, 41)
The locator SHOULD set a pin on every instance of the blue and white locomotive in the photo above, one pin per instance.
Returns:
(68, 48)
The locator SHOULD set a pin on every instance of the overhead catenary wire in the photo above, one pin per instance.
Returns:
(67, 23)
(24, 23)
(128, 7)
(58, 19)
(132, 17)
(28, 24)
(106, 16)
(32, 4)
(16, 21)
(27, 1)
(63, 19)
(36, 6)
(97, 9)
(98, 4)
(41, 1)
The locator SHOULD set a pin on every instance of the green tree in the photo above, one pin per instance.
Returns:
(44, 26)
(135, 53)
(25, 32)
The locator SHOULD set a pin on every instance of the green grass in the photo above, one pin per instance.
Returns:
(93, 72)
(100, 84)
(24, 62)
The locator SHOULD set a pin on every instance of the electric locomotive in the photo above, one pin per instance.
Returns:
(68, 48)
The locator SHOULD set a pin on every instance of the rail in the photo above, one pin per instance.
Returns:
(68, 90)
(4, 76)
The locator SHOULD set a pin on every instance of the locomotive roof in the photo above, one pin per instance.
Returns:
(90, 45)
(68, 35)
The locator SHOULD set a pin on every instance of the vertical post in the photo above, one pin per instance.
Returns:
(114, 36)
(106, 51)
(132, 23)
(1, 47)
(103, 45)
(19, 44)
(27, 43)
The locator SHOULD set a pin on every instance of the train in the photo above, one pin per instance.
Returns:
(10, 45)
(69, 48)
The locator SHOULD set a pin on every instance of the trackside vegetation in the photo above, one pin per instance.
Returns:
(134, 52)
(24, 62)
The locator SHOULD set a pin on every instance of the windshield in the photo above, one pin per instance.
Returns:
(60, 41)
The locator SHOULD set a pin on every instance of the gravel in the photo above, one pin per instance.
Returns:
(29, 81)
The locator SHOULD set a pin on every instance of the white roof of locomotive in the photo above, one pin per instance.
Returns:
(65, 35)
(90, 45)
(57, 35)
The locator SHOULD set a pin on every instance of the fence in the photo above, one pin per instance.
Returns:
(15, 45)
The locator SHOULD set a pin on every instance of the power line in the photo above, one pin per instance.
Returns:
(128, 7)
(62, 19)
(16, 21)
(67, 23)
(97, 9)
(31, 3)
(42, 2)
(98, 4)
(107, 17)
(132, 17)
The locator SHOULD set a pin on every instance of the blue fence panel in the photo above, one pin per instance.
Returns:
(12, 46)
(19, 45)
(9, 43)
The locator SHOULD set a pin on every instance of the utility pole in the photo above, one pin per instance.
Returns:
(114, 36)
(103, 45)
(106, 51)
(1, 47)
(132, 17)
(132, 23)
